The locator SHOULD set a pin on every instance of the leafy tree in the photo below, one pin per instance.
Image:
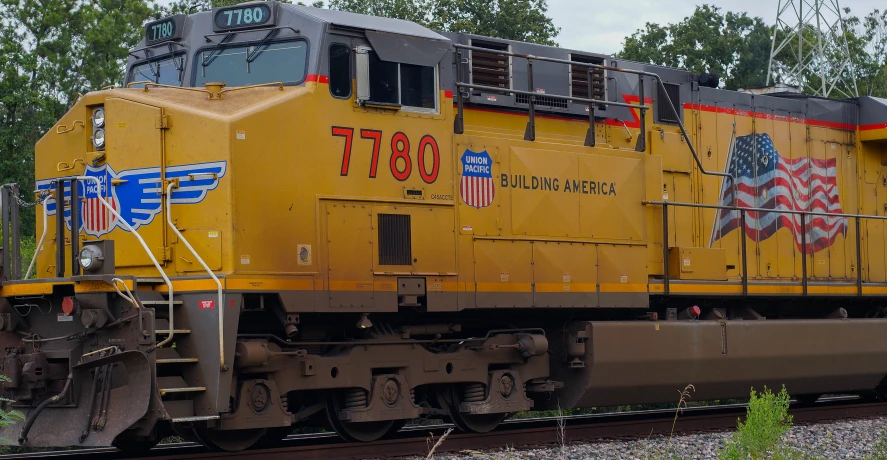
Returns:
(733, 45)
(511, 19)
(50, 52)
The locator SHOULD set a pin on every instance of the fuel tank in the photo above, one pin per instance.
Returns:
(614, 363)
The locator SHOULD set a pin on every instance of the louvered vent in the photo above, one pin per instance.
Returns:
(490, 68)
(395, 245)
(664, 110)
(541, 101)
(579, 78)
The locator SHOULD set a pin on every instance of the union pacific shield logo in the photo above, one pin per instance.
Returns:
(476, 184)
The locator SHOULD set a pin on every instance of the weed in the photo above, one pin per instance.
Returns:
(760, 435)
(879, 450)
(437, 444)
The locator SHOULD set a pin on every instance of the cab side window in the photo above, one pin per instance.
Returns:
(407, 85)
(340, 70)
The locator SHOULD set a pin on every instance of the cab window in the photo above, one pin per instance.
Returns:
(164, 71)
(340, 70)
(251, 65)
(407, 85)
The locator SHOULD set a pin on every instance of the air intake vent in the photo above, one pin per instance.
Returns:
(664, 110)
(543, 101)
(395, 245)
(490, 68)
(579, 78)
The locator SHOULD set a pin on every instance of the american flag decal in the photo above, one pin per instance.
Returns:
(96, 218)
(766, 179)
(476, 185)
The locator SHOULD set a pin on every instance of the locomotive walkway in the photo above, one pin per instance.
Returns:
(417, 440)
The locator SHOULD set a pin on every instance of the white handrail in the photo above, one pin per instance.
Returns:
(43, 236)
(205, 267)
(121, 221)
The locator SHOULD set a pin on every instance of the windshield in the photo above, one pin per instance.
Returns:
(252, 65)
(165, 71)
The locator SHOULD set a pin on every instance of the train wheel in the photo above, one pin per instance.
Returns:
(229, 440)
(452, 396)
(356, 431)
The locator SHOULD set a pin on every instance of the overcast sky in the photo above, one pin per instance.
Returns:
(602, 25)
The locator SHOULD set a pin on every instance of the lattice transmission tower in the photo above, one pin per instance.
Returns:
(809, 41)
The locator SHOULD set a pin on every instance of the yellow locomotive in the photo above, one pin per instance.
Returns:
(292, 215)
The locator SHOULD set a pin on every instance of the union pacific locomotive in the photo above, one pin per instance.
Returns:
(296, 216)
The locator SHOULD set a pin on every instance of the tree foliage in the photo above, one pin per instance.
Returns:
(737, 48)
(731, 45)
(49, 52)
(524, 20)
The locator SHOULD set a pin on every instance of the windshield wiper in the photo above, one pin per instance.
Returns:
(215, 52)
(263, 43)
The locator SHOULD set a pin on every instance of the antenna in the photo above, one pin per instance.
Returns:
(809, 41)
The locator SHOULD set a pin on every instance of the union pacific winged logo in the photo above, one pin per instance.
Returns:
(136, 196)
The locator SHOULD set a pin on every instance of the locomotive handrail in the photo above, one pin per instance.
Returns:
(215, 278)
(857, 218)
(42, 237)
(128, 227)
(459, 125)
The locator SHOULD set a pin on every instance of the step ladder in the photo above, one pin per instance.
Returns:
(178, 375)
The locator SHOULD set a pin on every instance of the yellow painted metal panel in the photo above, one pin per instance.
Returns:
(505, 267)
(540, 205)
(350, 255)
(207, 243)
(610, 190)
(565, 268)
(133, 141)
(432, 236)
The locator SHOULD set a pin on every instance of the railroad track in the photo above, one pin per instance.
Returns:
(415, 440)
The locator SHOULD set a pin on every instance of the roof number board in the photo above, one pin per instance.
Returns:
(164, 30)
(242, 17)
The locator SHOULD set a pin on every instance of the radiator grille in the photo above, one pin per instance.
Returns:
(544, 101)
(490, 68)
(579, 78)
(395, 245)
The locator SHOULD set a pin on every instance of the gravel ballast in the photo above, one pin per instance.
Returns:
(850, 439)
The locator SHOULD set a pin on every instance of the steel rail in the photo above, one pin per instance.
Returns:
(515, 433)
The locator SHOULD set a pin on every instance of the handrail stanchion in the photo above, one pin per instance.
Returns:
(15, 246)
(665, 282)
(42, 237)
(858, 256)
(75, 228)
(590, 134)
(744, 252)
(4, 243)
(642, 137)
(803, 253)
(459, 122)
(60, 228)
(530, 132)
(122, 222)
(205, 267)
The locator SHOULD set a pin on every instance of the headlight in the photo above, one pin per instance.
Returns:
(98, 138)
(91, 258)
(98, 117)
